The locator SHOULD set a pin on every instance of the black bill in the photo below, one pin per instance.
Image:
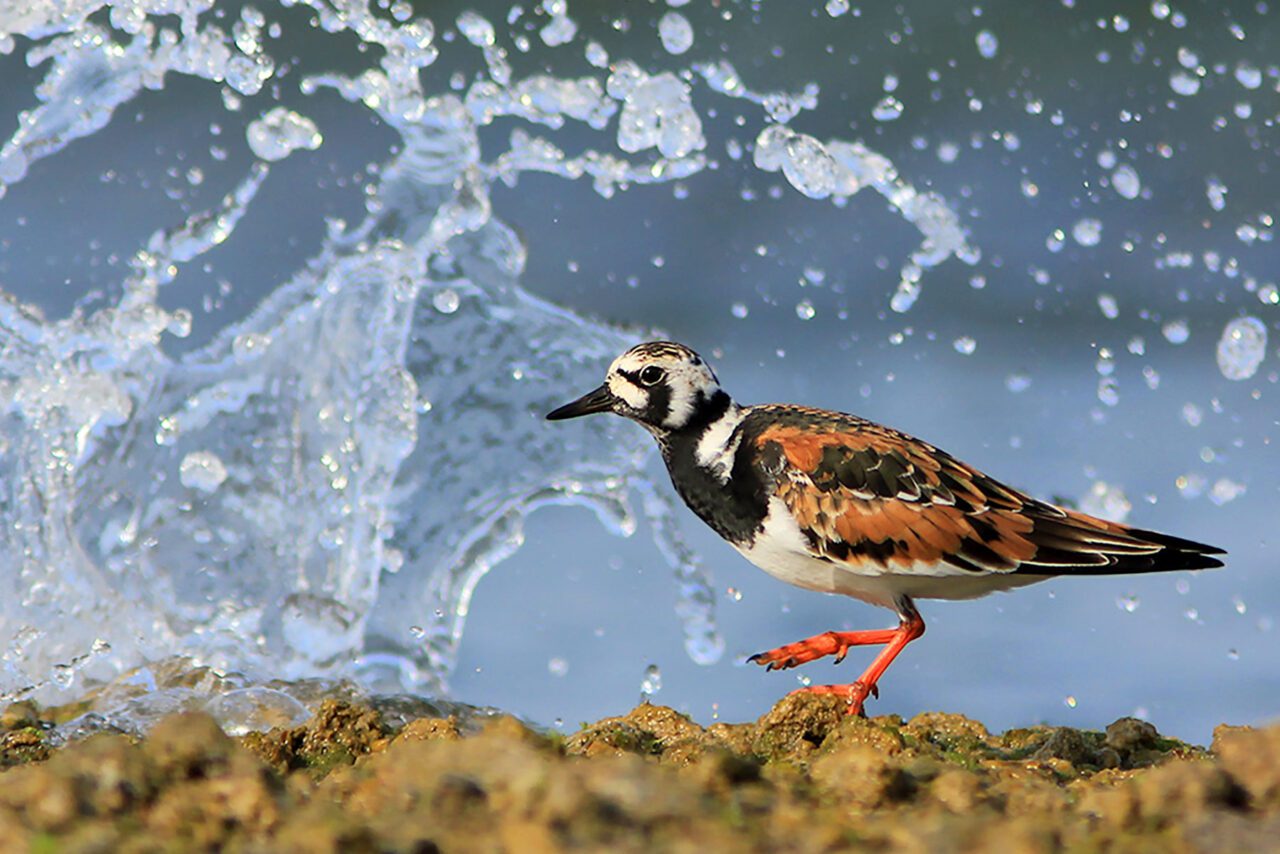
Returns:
(599, 400)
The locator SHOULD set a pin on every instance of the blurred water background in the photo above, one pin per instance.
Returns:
(285, 290)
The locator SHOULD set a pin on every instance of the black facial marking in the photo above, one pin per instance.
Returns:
(659, 405)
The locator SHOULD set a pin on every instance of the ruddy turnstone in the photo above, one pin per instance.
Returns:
(839, 504)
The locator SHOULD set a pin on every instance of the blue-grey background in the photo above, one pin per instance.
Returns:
(565, 629)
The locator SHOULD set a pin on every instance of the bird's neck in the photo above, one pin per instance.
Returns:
(703, 460)
(705, 440)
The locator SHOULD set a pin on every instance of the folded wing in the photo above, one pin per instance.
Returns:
(861, 492)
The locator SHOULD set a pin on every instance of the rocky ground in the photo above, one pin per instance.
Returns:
(802, 778)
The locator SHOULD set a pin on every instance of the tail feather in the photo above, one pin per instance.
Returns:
(1073, 546)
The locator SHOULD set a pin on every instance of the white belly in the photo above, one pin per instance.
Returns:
(783, 551)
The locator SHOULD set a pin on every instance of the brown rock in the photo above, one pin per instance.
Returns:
(1252, 757)
(1069, 745)
(648, 730)
(19, 716)
(862, 776)
(188, 745)
(877, 733)
(796, 726)
(430, 729)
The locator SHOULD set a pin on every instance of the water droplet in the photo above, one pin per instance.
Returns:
(1070, 701)
(476, 29)
(1192, 414)
(1126, 182)
(560, 30)
(1109, 390)
(1108, 306)
(1216, 192)
(168, 431)
(446, 301)
(836, 8)
(1128, 604)
(1233, 655)
(805, 310)
(1087, 231)
(1248, 76)
(280, 132)
(739, 310)
(887, 109)
(1017, 382)
(63, 675)
(1184, 84)
(734, 594)
(1192, 614)
(1176, 331)
(676, 33)
(1225, 490)
(1242, 348)
(557, 666)
(418, 632)
(965, 345)
(597, 55)
(1238, 603)
(202, 470)
(1107, 501)
(988, 44)
(652, 682)
(1190, 485)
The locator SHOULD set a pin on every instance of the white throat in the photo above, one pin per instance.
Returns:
(718, 443)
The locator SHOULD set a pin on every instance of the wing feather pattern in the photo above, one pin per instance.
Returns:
(861, 493)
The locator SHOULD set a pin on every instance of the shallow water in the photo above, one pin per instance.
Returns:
(289, 288)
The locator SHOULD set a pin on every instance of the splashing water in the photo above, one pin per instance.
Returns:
(315, 486)
(288, 516)
(285, 516)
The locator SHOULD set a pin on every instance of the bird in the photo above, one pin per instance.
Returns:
(836, 503)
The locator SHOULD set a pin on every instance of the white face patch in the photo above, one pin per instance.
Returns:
(630, 394)
(683, 380)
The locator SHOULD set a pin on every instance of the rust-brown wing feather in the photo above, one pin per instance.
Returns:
(863, 493)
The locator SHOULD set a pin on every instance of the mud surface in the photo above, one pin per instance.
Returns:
(802, 778)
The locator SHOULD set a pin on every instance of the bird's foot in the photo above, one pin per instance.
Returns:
(856, 693)
(819, 646)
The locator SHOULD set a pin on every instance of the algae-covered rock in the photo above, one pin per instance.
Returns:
(804, 777)
(339, 732)
(797, 725)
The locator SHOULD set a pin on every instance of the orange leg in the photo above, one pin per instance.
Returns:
(837, 644)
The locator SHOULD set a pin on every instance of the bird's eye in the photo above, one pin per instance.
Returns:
(652, 375)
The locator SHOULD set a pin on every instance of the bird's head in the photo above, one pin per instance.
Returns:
(660, 384)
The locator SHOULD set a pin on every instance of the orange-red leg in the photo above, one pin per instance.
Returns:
(837, 644)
